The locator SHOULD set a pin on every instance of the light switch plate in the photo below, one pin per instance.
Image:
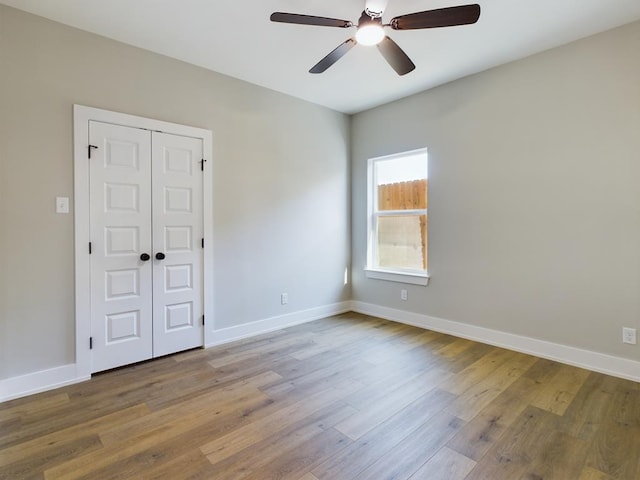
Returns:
(62, 204)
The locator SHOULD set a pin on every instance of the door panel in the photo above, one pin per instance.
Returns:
(120, 216)
(177, 233)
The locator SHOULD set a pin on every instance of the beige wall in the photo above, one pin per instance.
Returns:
(281, 182)
(534, 195)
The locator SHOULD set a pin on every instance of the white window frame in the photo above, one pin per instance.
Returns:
(401, 275)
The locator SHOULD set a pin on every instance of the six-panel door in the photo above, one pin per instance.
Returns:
(177, 236)
(146, 199)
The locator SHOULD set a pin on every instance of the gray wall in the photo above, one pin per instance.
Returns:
(534, 196)
(281, 182)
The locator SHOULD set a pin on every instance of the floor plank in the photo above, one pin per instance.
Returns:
(487, 428)
(377, 443)
(615, 449)
(470, 402)
(415, 449)
(221, 448)
(561, 390)
(445, 464)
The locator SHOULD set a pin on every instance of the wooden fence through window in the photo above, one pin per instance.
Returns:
(407, 196)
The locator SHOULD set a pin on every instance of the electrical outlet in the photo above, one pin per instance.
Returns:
(629, 335)
(403, 294)
(284, 298)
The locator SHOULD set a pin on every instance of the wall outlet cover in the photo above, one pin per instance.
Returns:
(629, 336)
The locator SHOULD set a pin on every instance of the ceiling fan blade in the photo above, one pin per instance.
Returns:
(396, 57)
(333, 57)
(309, 20)
(441, 17)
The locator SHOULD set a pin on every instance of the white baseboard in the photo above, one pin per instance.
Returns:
(231, 334)
(43, 380)
(40, 381)
(36, 382)
(598, 362)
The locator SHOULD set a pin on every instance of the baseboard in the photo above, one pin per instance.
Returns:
(40, 381)
(239, 332)
(36, 382)
(43, 380)
(598, 362)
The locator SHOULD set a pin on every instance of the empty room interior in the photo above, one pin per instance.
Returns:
(245, 240)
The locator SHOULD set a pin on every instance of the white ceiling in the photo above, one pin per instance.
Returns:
(236, 38)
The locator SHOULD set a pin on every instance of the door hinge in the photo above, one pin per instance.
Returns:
(90, 248)
(89, 149)
(202, 164)
(90, 343)
(203, 242)
(203, 319)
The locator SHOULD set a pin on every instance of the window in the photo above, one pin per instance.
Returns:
(397, 226)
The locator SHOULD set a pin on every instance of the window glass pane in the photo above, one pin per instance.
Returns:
(397, 208)
(402, 182)
(408, 195)
(402, 241)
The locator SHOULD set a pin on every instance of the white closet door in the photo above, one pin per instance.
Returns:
(120, 217)
(177, 237)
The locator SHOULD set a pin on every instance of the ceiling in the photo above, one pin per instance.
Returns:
(236, 38)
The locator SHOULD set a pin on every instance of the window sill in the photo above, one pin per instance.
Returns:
(400, 277)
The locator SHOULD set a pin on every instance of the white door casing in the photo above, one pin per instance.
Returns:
(125, 320)
(177, 235)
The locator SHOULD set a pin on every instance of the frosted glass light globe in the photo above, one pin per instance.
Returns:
(370, 34)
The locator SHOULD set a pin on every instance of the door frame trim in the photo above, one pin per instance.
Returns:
(81, 117)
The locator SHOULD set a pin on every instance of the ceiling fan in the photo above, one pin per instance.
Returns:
(370, 30)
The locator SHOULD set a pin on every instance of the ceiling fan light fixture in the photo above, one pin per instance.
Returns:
(370, 30)
(370, 34)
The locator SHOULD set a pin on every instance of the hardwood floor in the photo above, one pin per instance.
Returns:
(344, 398)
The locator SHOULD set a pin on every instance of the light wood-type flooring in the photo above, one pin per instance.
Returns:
(344, 398)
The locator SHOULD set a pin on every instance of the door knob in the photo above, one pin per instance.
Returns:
(159, 256)
(144, 257)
